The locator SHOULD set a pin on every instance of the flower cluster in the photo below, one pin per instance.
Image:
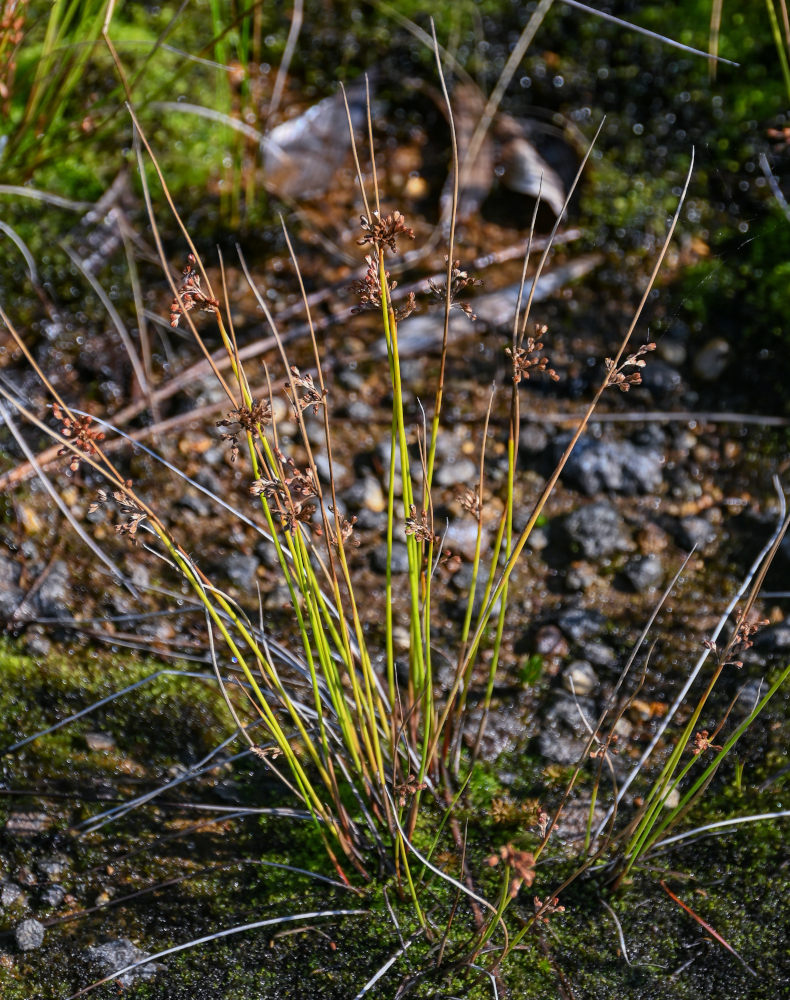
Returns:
(191, 295)
(245, 418)
(127, 504)
(520, 862)
(312, 396)
(81, 432)
(527, 361)
(616, 375)
(384, 232)
(420, 526)
(459, 280)
(368, 289)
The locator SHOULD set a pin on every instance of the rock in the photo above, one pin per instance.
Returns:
(51, 598)
(51, 868)
(661, 379)
(116, 955)
(461, 536)
(100, 741)
(197, 502)
(10, 893)
(11, 595)
(711, 360)
(366, 493)
(580, 576)
(52, 896)
(564, 735)
(538, 540)
(599, 654)
(504, 730)
(241, 570)
(400, 558)
(645, 573)
(462, 472)
(580, 623)
(37, 643)
(611, 466)
(598, 530)
(29, 935)
(533, 438)
(695, 531)
(549, 641)
(579, 678)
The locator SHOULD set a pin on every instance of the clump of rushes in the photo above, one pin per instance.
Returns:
(360, 749)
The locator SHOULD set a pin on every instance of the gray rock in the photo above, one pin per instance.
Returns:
(116, 955)
(598, 530)
(366, 493)
(322, 467)
(241, 570)
(661, 379)
(461, 536)
(580, 623)
(52, 896)
(10, 893)
(533, 438)
(645, 573)
(400, 558)
(549, 641)
(29, 935)
(197, 502)
(599, 654)
(611, 466)
(579, 678)
(564, 735)
(51, 598)
(711, 360)
(695, 531)
(11, 595)
(462, 472)
(51, 868)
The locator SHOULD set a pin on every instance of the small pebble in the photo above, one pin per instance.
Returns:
(579, 678)
(29, 935)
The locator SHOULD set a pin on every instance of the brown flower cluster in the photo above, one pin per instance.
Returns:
(527, 361)
(368, 289)
(134, 515)
(548, 906)
(420, 526)
(293, 494)
(81, 432)
(702, 742)
(312, 395)
(384, 232)
(741, 641)
(191, 295)
(617, 376)
(520, 862)
(408, 789)
(470, 500)
(246, 418)
(459, 281)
